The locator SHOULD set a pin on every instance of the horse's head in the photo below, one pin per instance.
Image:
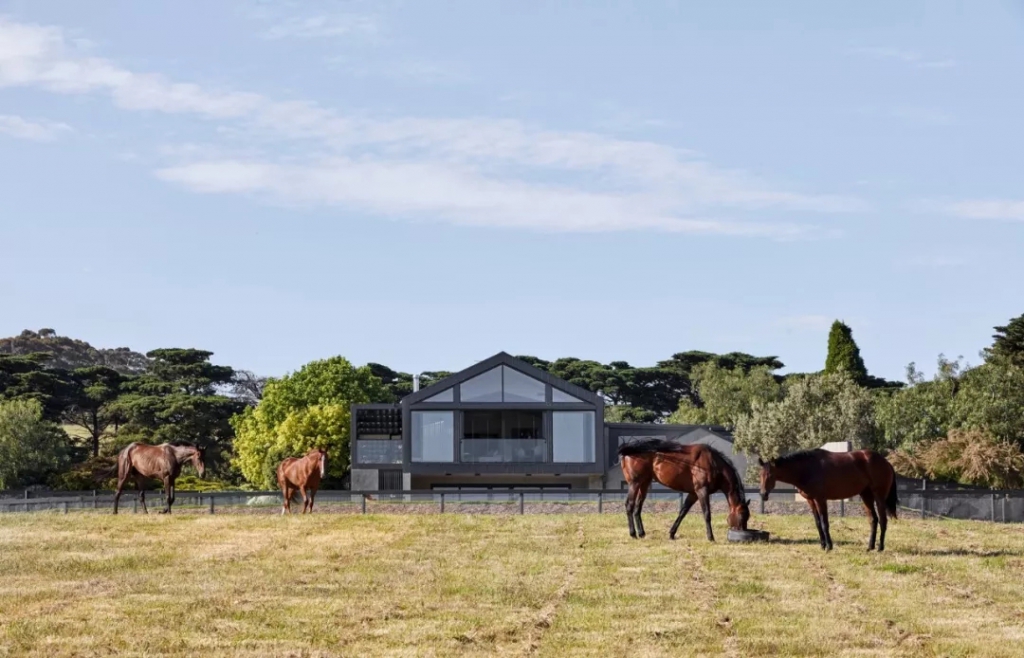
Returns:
(739, 515)
(767, 477)
(198, 458)
(323, 461)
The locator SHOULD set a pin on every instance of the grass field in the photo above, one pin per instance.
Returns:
(460, 585)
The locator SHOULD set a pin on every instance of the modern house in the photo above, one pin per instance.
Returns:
(500, 424)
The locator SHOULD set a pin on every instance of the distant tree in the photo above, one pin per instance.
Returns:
(843, 353)
(92, 402)
(303, 410)
(922, 412)
(26, 377)
(1009, 342)
(68, 353)
(816, 410)
(31, 448)
(727, 394)
(990, 398)
(178, 400)
(248, 387)
(971, 457)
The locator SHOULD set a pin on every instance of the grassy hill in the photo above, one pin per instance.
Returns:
(560, 585)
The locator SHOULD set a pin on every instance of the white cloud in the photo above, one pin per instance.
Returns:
(1009, 210)
(908, 57)
(38, 130)
(323, 26)
(476, 171)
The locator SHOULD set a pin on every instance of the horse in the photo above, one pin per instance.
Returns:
(163, 462)
(302, 475)
(697, 469)
(820, 476)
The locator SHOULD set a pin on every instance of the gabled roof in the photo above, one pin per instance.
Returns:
(503, 359)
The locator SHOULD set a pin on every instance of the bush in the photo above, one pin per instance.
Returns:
(971, 457)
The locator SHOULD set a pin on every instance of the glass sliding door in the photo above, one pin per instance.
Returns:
(433, 436)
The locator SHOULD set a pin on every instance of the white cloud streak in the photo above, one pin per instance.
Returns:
(908, 57)
(477, 171)
(1007, 210)
(323, 26)
(35, 130)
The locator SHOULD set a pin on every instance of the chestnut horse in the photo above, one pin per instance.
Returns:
(697, 469)
(302, 475)
(163, 462)
(821, 476)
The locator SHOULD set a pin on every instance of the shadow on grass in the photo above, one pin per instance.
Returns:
(962, 552)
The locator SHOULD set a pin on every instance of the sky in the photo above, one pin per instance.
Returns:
(424, 184)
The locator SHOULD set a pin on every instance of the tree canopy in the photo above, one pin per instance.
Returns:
(301, 411)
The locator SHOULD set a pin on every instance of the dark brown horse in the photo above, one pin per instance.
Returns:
(821, 476)
(163, 462)
(697, 469)
(302, 475)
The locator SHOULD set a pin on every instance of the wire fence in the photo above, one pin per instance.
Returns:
(980, 505)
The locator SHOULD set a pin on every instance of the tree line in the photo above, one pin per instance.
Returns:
(67, 408)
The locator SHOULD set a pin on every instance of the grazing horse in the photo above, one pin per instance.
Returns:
(163, 462)
(697, 469)
(821, 476)
(302, 475)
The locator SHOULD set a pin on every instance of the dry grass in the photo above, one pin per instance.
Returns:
(458, 585)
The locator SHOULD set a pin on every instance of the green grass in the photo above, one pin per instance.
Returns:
(559, 585)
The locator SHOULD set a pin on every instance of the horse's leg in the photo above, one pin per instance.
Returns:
(285, 499)
(305, 500)
(822, 504)
(634, 488)
(869, 505)
(142, 493)
(691, 498)
(705, 506)
(883, 520)
(641, 497)
(167, 496)
(817, 521)
(120, 487)
(312, 497)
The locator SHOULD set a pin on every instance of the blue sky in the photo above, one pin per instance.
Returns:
(423, 184)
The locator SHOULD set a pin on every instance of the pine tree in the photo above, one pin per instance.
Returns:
(1009, 341)
(843, 353)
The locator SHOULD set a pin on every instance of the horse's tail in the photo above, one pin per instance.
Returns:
(892, 501)
(124, 461)
(649, 446)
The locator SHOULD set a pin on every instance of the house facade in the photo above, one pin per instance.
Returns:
(500, 424)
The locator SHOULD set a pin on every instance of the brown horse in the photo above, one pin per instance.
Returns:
(697, 469)
(302, 475)
(821, 476)
(163, 462)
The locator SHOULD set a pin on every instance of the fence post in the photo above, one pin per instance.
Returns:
(27, 494)
(64, 504)
(442, 502)
(761, 504)
(924, 504)
(522, 496)
(95, 500)
(135, 505)
(993, 508)
(364, 503)
(600, 502)
(1005, 496)
(211, 504)
(842, 507)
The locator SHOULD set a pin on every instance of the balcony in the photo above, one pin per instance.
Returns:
(378, 451)
(514, 451)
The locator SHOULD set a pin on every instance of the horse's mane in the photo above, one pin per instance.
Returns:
(726, 464)
(795, 458)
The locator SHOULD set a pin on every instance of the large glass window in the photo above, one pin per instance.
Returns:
(562, 396)
(521, 388)
(573, 436)
(447, 395)
(433, 436)
(485, 387)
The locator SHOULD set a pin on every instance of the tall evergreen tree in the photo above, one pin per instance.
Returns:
(1009, 341)
(843, 353)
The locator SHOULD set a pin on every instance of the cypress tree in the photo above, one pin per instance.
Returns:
(843, 353)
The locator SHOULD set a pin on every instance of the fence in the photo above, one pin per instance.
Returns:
(982, 505)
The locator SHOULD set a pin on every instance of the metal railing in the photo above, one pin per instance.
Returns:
(522, 451)
(984, 505)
